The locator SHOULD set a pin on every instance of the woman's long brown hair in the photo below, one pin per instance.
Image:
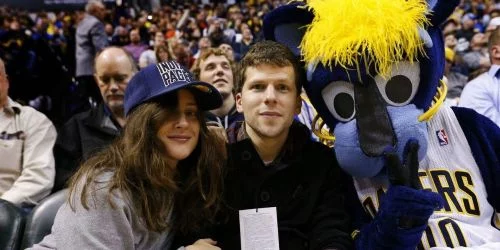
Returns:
(192, 189)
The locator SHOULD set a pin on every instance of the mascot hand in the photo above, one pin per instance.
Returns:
(404, 209)
(405, 187)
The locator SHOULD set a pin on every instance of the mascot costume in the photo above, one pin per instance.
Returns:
(426, 176)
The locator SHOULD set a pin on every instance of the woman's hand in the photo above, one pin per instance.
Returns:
(203, 244)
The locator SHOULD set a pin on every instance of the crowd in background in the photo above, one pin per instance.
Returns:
(39, 47)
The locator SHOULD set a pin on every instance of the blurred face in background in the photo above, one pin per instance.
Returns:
(109, 29)
(135, 38)
(450, 41)
(227, 49)
(159, 38)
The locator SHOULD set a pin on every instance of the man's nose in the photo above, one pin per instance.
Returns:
(270, 94)
(114, 85)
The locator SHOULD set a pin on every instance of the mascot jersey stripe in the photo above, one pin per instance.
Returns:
(467, 219)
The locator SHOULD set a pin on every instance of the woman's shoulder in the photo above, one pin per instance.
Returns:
(97, 192)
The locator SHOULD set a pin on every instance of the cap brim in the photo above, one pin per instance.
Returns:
(206, 95)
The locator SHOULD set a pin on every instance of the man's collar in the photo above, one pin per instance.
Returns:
(494, 71)
(8, 108)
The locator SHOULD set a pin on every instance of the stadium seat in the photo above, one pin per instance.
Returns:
(11, 225)
(40, 220)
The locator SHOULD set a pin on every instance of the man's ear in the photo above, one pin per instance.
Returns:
(298, 105)
(237, 98)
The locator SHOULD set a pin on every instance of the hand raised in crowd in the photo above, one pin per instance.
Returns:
(203, 244)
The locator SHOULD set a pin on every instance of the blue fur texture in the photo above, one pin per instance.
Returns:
(406, 127)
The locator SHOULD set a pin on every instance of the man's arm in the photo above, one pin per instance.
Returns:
(38, 171)
(330, 223)
(477, 96)
(99, 39)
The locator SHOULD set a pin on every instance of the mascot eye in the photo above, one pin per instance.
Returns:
(339, 98)
(399, 88)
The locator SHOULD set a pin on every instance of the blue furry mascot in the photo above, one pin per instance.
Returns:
(427, 176)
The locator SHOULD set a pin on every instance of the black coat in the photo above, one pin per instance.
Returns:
(82, 136)
(304, 184)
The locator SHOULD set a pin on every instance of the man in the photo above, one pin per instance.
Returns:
(90, 39)
(26, 141)
(274, 163)
(90, 131)
(456, 81)
(477, 57)
(483, 93)
(135, 48)
(214, 66)
(228, 50)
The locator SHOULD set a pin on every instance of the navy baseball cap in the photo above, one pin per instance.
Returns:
(163, 78)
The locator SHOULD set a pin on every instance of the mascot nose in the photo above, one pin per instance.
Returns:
(375, 129)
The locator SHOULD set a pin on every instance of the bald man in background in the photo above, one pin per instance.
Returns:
(88, 132)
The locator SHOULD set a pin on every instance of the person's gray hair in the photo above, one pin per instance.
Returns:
(92, 5)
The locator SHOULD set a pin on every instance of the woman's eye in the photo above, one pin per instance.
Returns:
(399, 88)
(339, 99)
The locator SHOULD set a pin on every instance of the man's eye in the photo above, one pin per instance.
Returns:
(283, 88)
(120, 79)
(258, 86)
(225, 66)
(105, 80)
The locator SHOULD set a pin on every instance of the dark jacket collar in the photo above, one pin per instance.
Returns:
(298, 137)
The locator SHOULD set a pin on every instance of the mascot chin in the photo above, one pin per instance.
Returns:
(426, 175)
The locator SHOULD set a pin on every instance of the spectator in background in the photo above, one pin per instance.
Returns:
(26, 141)
(121, 38)
(136, 47)
(483, 93)
(217, 68)
(456, 81)
(89, 132)
(90, 39)
(163, 54)
(468, 27)
(241, 47)
(108, 28)
(148, 57)
(203, 44)
(477, 58)
(226, 48)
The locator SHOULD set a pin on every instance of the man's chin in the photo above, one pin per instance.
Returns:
(115, 107)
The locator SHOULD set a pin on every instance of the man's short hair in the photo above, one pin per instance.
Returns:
(494, 38)
(196, 70)
(129, 57)
(269, 53)
(92, 5)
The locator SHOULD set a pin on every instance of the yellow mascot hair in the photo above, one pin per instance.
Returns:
(379, 31)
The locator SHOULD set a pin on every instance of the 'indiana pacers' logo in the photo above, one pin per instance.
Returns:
(172, 72)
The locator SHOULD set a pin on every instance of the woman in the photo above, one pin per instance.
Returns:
(162, 53)
(161, 176)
